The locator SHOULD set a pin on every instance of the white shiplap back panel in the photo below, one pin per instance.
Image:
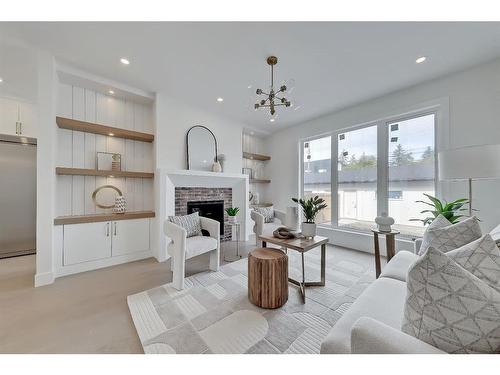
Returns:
(101, 144)
(148, 193)
(78, 153)
(78, 150)
(138, 156)
(90, 155)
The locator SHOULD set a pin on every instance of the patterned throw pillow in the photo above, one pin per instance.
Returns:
(450, 308)
(481, 258)
(267, 212)
(451, 236)
(191, 223)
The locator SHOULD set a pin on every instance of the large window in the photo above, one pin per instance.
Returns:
(317, 173)
(382, 167)
(357, 178)
(411, 167)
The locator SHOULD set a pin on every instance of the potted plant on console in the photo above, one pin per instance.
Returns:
(310, 208)
(231, 213)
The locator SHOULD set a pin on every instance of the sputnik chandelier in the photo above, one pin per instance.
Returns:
(274, 98)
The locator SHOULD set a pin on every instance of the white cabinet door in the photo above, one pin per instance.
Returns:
(27, 119)
(9, 116)
(86, 242)
(130, 236)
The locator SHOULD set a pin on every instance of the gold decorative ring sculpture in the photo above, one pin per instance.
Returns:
(94, 194)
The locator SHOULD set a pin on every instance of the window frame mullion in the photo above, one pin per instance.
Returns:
(382, 168)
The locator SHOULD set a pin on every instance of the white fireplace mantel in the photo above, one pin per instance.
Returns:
(167, 180)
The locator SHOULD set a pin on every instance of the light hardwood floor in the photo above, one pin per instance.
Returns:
(87, 312)
(82, 313)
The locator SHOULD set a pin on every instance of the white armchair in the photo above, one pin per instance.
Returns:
(182, 248)
(261, 227)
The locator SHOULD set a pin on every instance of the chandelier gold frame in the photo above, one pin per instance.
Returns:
(272, 100)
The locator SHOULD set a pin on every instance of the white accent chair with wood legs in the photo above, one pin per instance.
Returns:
(182, 248)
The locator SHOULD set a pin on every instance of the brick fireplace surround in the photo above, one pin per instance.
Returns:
(187, 194)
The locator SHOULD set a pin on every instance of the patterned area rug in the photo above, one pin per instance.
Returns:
(213, 314)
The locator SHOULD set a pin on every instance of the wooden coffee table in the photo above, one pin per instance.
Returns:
(302, 245)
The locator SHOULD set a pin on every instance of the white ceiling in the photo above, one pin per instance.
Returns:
(334, 64)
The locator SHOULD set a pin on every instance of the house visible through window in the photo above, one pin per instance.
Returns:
(408, 167)
(317, 174)
(395, 194)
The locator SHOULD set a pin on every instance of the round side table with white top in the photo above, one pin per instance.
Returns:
(237, 256)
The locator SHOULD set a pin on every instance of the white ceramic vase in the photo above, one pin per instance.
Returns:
(216, 167)
(384, 222)
(308, 229)
(120, 205)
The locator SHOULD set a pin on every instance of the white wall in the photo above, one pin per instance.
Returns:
(45, 174)
(174, 120)
(474, 119)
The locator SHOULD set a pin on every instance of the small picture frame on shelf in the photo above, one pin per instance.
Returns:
(248, 172)
(109, 161)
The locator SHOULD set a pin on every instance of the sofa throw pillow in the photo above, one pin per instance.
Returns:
(495, 234)
(450, 308)
(481, 258)
(191, 223)
(267, 212)
(451, 236)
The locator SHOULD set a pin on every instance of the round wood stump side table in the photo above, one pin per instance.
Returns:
(268, 278)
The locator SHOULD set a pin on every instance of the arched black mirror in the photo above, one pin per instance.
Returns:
(201, 146)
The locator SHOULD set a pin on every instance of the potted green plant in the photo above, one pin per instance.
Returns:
(450, 210)
(310, 208)
(231, 213)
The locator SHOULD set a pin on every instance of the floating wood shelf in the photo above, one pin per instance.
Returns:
(89, 127)
(252, 156)
(94, 218)
(259, 181)
(95, 172)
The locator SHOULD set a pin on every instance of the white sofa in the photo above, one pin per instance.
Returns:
(373, 322)
(182, 248)
(262, 228)
(372, 325)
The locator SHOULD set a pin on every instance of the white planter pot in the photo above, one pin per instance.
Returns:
(308, 229)
(231, 219)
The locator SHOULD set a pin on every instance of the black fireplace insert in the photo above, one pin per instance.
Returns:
(211, 209)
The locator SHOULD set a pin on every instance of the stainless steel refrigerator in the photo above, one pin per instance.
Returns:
(17, 195)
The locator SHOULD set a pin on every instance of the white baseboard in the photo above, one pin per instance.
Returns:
(102, 263)
(45, 278)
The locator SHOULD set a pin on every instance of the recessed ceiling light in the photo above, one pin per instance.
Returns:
(272, 120)
(1, 80)
(124, 61)
(249, 86)
(421, 59)
(111, 92)
(220, 100)
(111, 134)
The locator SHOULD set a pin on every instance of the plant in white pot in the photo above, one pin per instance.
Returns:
(310, 208)
(231, 213)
